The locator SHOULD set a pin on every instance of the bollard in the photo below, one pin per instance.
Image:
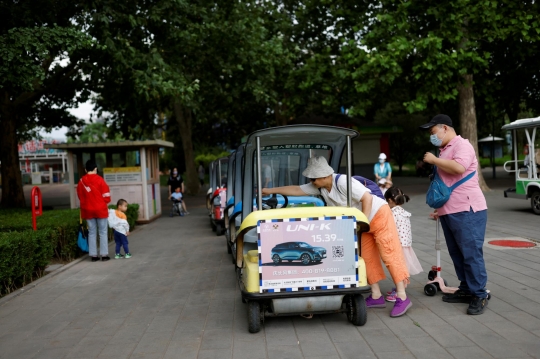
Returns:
(51, 175)
(35, 204)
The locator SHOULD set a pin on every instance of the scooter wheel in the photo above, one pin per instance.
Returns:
(432, 274)
(489, 296)
(218, 230)
(254, 317)
(430, 290)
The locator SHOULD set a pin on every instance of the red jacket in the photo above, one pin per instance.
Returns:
(94, 195)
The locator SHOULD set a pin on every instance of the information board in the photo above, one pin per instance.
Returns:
(122, 174)
(307, 254)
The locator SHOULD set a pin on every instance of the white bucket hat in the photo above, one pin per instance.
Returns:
(382, 156)
(317, 168)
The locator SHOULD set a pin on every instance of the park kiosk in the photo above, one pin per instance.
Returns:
(130, 168)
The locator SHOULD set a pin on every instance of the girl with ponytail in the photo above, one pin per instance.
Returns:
(396, 198)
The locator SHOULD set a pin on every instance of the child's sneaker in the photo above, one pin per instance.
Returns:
(400, 307)
(118, 256)
(392, 291)
(128, 255)
(391, 297)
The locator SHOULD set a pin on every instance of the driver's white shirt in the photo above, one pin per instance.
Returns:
(339, 198)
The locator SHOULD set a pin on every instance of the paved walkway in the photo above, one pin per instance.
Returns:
(177, 298)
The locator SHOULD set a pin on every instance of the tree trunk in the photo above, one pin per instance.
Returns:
(467, 120)
(184, 119)
(281, 120)
(12, 189)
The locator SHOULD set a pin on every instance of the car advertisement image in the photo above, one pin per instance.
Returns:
(307, 254)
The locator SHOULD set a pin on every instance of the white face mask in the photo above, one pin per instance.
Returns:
(381, 160)
(175, 173)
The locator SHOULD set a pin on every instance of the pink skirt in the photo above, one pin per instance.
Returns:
(413, 264)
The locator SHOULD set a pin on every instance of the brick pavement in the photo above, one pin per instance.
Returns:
(177, 298)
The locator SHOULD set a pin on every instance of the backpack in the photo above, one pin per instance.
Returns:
(372, 186)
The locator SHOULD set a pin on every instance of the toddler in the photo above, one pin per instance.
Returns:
(118, 222)
(176, 196)
(395, 198)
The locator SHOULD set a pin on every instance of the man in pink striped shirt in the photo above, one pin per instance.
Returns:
(464, 216)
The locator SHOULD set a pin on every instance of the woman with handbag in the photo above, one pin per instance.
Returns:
(94, 196)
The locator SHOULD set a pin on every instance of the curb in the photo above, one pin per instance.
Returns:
(37, 282)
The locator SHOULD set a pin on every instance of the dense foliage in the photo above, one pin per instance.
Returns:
(204, 73)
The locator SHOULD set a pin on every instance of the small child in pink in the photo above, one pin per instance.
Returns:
(395, 198)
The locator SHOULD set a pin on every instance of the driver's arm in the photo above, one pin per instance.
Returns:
(286, 190)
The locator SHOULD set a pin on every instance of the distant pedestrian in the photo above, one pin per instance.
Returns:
(464, 216)
(94, 195)
(382, 169)
(177, 198)
(267, 176)
(118, 222)
(201, 172)
(396, 198)
(176, 181)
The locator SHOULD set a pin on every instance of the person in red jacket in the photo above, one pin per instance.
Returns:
(94, 195)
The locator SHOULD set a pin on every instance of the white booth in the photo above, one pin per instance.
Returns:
(130, 168)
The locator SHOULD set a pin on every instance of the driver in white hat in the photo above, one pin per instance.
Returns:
(382, 234)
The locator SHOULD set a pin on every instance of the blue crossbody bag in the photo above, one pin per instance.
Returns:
(439, 193)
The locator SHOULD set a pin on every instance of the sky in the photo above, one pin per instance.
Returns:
(83, 111)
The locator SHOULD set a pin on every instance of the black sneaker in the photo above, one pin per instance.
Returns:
(106, 258)
(457, 297)
(477, 306)
(95, 259)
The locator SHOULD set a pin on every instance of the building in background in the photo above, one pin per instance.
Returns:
(38, 164)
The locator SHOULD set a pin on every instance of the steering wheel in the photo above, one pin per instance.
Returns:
(272, 202)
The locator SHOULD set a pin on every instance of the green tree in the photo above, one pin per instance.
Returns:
(94, 132)
(42, 52)
(437, 48)
(199, 61)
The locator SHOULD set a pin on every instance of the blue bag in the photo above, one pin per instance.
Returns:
(375, 190)
(439, 193)
(82, 238)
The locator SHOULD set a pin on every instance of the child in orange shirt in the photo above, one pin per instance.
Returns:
(118, 222)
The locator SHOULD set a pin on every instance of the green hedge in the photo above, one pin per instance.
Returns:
(24, 253)
(23, 256)
(63, 226)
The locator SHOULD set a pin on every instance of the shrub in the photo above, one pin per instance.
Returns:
(24, 253)
(206, 158)
(23, 256)
(63, 226)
